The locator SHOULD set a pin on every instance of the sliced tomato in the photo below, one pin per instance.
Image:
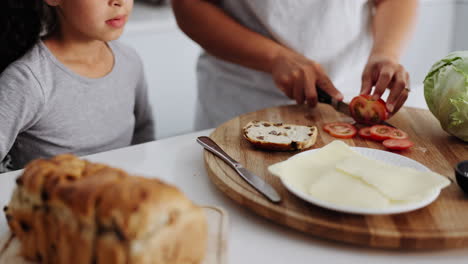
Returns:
(327, 127)
(397, 144)
(365, 110)
(340, 130)
(340, 126)
(365, 133)
(398, 134)
(381, 132)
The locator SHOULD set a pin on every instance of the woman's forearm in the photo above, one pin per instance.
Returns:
(392, 24)
(223, 37)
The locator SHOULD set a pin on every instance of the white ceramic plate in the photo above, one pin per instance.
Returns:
(385, 156)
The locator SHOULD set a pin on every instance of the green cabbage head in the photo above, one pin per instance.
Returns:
(446, 93)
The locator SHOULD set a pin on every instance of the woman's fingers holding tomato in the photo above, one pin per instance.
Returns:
(367, 83)
(386, 74)
(398, 93)
(403, 95)
(401, 101)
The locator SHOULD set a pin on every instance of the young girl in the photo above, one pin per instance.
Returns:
(65, 85)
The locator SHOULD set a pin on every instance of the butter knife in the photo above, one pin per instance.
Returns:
(258, 183)
(339, 106)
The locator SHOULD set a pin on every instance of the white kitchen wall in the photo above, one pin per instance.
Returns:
(460, 36)
(431, 41)
(170, 57)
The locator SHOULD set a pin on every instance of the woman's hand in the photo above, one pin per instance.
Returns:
(299, 77)
(385, 72)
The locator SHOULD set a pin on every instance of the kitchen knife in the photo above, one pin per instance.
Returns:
(258, 183)
(339, 106)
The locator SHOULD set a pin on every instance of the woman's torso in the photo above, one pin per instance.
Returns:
(335, 33)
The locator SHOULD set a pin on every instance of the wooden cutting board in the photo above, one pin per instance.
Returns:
(442, 224)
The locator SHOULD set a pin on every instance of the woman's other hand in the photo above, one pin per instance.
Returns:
(298, 78)
(383, 72)
(392, 24)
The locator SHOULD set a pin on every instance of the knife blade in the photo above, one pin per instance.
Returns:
(258, 183)
(339, 106)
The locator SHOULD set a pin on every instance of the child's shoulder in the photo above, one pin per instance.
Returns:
(21, 79)
(24, 66)
(27, 66)
(31, 59)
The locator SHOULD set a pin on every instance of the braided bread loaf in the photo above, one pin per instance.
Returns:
(68, 210)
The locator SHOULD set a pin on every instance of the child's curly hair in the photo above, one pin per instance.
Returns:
(22, 23)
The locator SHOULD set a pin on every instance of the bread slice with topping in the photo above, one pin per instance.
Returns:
(280, 137)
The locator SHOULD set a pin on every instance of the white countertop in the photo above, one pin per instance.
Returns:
(252, 239)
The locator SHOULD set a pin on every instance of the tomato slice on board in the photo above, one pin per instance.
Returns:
(365, 110)
(398, 134)
(340, 130)
(397, 144)
(381, 132)
(365, 133)
(327, 127)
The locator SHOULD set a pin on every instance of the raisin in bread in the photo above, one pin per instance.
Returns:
(279, 136)
(68, 210)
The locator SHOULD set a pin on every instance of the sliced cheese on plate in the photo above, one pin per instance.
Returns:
(397, 183)
(304, 169)
(339, 177)
(338, 188)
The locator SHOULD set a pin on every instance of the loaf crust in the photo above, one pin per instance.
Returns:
(68, 210)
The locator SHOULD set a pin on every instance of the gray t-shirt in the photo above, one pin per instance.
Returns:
(46, 109)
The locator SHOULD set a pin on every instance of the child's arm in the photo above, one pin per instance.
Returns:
(144, 122)
(21, 102)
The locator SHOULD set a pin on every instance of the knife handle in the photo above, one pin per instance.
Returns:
(212, 147)
(323, 97)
